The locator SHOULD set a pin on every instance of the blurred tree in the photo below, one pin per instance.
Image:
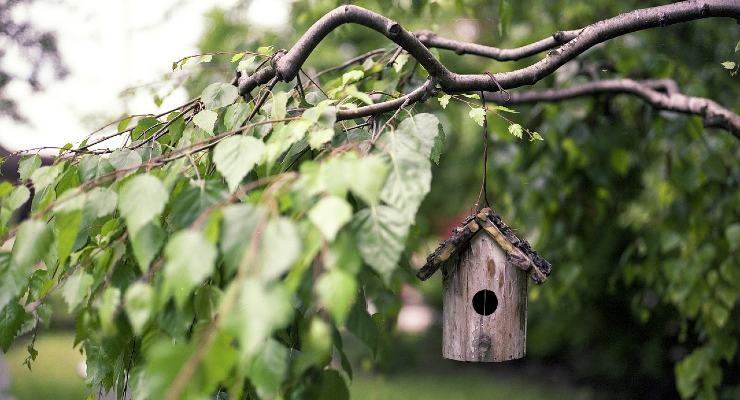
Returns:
(22, 42)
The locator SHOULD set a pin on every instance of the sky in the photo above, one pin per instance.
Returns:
(110, 46)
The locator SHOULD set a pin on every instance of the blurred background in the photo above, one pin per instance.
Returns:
(638, 210)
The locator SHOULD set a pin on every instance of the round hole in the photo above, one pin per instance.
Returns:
(485, 302)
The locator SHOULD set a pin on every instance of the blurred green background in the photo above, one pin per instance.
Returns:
(638, 211)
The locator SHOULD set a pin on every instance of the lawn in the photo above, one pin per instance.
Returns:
(56, 375)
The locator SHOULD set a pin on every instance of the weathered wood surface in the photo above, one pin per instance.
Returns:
(459, 239)
(469, 336)
(519, 251)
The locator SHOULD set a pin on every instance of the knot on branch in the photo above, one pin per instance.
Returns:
(394, 28)
(274, 60)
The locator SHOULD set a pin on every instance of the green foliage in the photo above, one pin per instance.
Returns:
(226, 249)
(187, 257)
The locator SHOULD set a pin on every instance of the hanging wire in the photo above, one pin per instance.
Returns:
(483, 195)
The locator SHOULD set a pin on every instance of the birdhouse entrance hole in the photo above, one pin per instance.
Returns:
(485, 302)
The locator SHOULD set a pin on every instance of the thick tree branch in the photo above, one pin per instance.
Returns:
(286, 66)
(669, 99)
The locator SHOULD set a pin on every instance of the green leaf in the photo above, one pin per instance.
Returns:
(536, 136)
(17, 198)
(140, 200)
(138, 305)
(146, 244)
(45, 176)
(261, 310)
(330, 385)
(109, 302)
(101, 201)
(368, 178)
(124, 159)
(362, 326)
(381, 236)
(737, 46)
(516, 130)
(205, 58)
(352, 76)
(478, 115)
(66, 228)
(92, 166)
(317, 138)
(505, 109)
(410, 147)
(31, 244)
(444, 100)
(438, 148)
(190, 260)
(239, 224)
(5, 188)
(329, 215)
(336, 291)
(280, 247)
(729, 64)
(401, 60)
(279, 105)
(720, 315)
(269, 368)
(27, 165)
(316, 344)
(12, 318)
(123, 123)
(733, 236)
(217, 95)
(235, 115)
(76, 288)
(235, 156)
(247, 65)
(236, 57)
(206, 120)
(265, 50)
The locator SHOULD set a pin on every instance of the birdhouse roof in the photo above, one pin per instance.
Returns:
(518, 251)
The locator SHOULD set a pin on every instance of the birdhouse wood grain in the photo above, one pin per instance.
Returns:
(485, 268)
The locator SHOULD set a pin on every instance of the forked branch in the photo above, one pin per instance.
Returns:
(285, 66)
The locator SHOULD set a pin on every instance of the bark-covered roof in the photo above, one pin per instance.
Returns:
(518, 251)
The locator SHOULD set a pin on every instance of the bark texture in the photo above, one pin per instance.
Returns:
(566, 45)
(661, 94)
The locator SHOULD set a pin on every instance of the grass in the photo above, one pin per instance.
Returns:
(55, 376)
(465, 386)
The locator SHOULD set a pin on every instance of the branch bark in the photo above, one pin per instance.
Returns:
(432, 40)
(668, 99)
(286, 65)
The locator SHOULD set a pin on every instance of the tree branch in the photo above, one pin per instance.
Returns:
(432, 40)
(669, 99)
(286, 66)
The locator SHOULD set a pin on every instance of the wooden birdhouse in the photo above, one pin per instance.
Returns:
(485, 268)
